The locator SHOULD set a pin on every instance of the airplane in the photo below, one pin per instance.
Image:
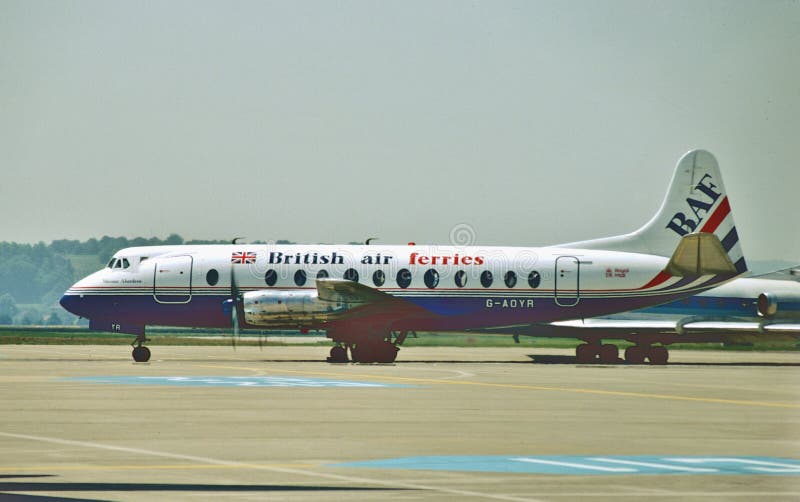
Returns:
(742, 311)
(368, 298)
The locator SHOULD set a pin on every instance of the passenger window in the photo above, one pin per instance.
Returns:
(510, 279)
(378, 278)
(486, 279)
(534, 279)
(212, 277)
(300, 277)
(351, 275)
(271, 277)
(403, 278)
(461, 278)
(322, 274)
(431, 278)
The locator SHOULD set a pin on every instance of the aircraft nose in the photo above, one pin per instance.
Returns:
(71, 303)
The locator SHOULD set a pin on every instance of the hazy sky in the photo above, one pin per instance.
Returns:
(532, 122)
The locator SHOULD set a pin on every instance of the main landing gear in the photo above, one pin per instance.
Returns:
(594, 352)
(141, 354)
(366, 347)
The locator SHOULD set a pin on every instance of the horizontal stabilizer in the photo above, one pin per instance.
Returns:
(700, 254)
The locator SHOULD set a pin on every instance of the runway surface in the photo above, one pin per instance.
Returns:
(200, 423)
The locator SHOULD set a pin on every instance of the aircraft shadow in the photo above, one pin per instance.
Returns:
(23, 486)
(561, 359)
(534, 359)
(14, 497)
(15, 476)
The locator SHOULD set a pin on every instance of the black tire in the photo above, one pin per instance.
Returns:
(634, 355)
(338, 355)
(658, 355)
(585, 353)
(609, 354)
(362, 353)
(141, 354)
(387, 353)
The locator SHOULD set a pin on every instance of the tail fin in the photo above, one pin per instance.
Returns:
(695, 203)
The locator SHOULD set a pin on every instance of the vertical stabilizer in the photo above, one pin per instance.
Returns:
(696, 202)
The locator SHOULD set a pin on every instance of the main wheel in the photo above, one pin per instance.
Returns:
(609, 354)
(585, 353)
(634, 355)
(658, 355)
(363, 352)
(338, 355)
(386, 353)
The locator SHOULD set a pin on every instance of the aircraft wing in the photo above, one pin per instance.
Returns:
(670, 331)
(679, 326)
(365, 303)
(344, 291)
(786, 274)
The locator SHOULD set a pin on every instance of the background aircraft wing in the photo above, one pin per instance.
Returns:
(786, 274)
(670, 331)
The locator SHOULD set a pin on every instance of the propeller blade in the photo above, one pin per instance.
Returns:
(236, 299)
(235, 320)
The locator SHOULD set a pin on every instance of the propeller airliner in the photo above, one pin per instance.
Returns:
(367, 298)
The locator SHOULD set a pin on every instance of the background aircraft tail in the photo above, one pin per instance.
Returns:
(696, 202)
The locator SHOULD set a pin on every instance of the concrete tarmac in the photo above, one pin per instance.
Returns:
(80, 423)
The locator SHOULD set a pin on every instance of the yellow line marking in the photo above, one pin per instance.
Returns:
(148, 467)
(434, 381)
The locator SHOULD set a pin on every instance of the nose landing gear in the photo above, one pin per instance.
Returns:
(141, 354)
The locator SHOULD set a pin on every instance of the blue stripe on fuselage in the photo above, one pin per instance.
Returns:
(707, 306)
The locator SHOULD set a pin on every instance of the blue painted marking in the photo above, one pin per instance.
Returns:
(593, 465)
(225, 381)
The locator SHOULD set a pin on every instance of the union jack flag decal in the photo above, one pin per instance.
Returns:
(243, 257)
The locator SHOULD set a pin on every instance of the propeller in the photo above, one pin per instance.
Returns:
(232, 305)
(236, 302)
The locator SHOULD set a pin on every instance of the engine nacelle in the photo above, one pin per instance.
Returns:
(767, 305)
(784, 305)
(283, 307)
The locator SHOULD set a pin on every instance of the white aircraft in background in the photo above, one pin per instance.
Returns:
(742, 311)
(367, 298)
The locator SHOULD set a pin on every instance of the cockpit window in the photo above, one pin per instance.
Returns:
(118, 263)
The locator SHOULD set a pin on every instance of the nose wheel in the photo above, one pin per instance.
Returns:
(141, 354)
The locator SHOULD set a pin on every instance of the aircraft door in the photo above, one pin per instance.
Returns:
(567, 288)
(172, 279)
